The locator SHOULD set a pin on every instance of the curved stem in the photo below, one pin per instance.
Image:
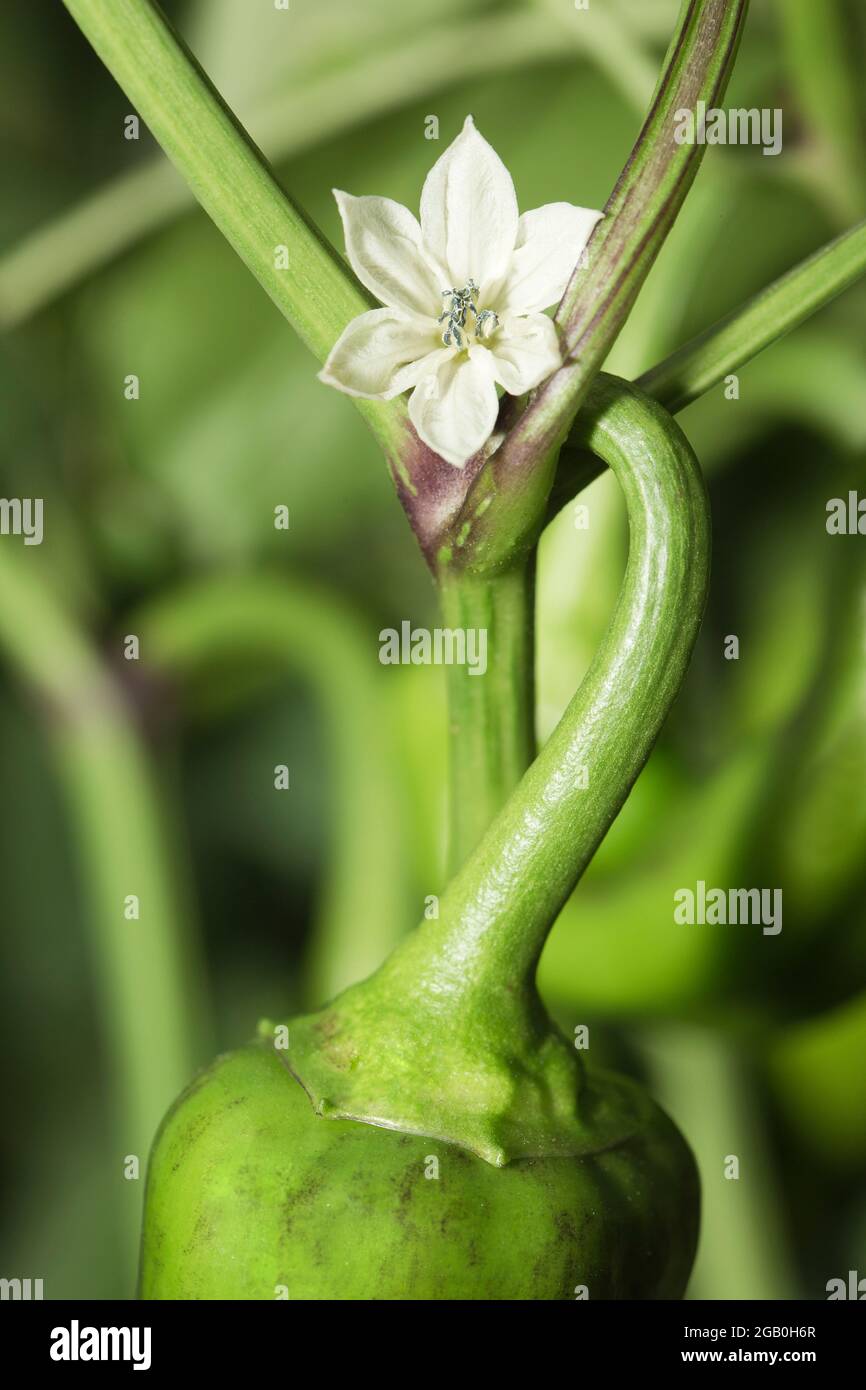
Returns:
(278, 627)
(610, 726)
(455, 1007)
(491, 711)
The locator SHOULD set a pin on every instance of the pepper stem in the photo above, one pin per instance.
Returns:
(449, 1038)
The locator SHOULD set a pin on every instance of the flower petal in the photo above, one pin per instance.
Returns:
(469, 210)
(455, 409)
(377, 353)
(383, 244)
(524, 351)
(550, 240)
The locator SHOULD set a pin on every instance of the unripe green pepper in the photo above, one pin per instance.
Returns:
(251, 1195)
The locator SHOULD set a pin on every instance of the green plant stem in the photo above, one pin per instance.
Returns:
(146, 970)
(554, 823)
(270, 627)
(428, 1044)
(491, 714)
(726, 345)
(231, 179)
(655, 180)
(707, 359)
(505, 506)
(54, 258)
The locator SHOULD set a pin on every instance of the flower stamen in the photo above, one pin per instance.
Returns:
(486, 323)
(463, 302)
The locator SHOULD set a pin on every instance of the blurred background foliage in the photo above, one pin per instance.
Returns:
(259, 646)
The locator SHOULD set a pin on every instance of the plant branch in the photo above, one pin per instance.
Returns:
(231, 179)
(52, 259)
(638, 216)
(704, 361)
(707, 359)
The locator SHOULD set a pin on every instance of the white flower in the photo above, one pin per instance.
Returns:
(463, 294)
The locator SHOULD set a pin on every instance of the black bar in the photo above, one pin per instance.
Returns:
(246, 1338)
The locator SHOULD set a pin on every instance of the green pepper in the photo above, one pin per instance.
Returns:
(251, 1195)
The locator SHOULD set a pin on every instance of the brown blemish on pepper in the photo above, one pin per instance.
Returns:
(299, 1198)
